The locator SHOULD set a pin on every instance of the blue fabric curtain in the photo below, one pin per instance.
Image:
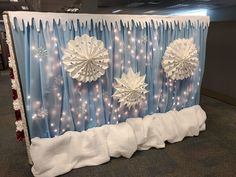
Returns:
(56, 103)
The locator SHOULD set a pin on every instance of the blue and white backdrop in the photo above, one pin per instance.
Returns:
(56, 103)
(57, 108)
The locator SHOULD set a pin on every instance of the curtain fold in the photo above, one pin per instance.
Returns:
(56, 103)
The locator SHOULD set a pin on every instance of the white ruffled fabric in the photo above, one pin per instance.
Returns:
(59, 155)
(71, 20)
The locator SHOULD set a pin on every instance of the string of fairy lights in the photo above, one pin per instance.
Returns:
(96, 104)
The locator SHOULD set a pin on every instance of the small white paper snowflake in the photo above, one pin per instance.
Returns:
(16, 104)
(19, 125)
(180, 59)
(58, 80)
(39, 53)
(13, 84)
(42, 113)
(85, 58)
(144, 39)
(130, 89)
(10, 62)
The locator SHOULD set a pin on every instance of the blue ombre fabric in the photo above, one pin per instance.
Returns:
(55, 103)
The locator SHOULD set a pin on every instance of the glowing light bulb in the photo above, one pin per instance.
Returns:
(34, 116)
(116, 38)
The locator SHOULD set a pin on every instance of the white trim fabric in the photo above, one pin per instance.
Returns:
(24, 18)
(59, 155)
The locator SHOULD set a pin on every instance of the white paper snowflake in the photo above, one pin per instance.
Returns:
(180, 59)
(39, 53)
(144, 39)
(42, 113)
(19, 125)
(13, 84)
(10, 62)
(16, 104)
(58, 80)
(85, 58)
(130, 89)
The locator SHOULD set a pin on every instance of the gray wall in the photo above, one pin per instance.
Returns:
(2, 26)
(222, 14)
(220, 67)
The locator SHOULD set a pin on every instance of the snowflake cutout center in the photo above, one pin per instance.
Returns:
(130, 89)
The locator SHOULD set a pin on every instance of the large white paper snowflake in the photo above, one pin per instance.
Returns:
(130, 89)
(85, 58)
(180, 59)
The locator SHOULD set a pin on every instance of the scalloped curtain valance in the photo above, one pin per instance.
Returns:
(71, 20)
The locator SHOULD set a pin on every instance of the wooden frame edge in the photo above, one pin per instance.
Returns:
(12, 60)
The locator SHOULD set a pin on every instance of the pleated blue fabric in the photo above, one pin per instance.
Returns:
(56, 103)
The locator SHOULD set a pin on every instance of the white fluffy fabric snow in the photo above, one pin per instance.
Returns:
(59, 155)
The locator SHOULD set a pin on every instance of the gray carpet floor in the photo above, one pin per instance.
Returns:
(211, 154)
